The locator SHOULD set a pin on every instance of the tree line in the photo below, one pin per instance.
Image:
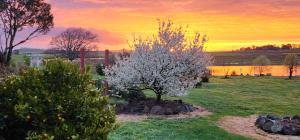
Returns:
(271, 47)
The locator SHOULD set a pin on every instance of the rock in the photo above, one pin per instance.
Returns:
(188, 108)
(137, 109)
(180, 108)
(260, 121)
(286, 118)
(158, 110)
(267, 125)
(168, 111)
(273, 117)
(277, 127)
(296, 118)
(289, 130)
(178, 101)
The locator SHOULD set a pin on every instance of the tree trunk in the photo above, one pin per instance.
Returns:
(291, 73)
(158, 97)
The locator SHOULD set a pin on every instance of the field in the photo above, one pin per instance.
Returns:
(239, 96)
(246, 58)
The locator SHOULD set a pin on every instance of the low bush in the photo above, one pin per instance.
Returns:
(100, 69)
(130, 95)
(56, 102)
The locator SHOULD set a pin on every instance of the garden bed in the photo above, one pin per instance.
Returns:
(199, 112)
(150, 106)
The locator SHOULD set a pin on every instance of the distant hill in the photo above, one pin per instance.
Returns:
(29, 51)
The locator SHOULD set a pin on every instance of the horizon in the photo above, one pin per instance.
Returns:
(229, 24)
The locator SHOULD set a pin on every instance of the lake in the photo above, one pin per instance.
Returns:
(274, 70)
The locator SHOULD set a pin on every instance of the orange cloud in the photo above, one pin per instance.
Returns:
(229, 24)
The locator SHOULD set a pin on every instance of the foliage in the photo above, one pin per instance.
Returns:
(167, 64)
(19, 16)
(26, 60)
(4, 71)
(70, 41)
(291, 62)
(261, 63)
(53, 103)
(100, 69)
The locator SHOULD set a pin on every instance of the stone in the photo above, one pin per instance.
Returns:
(137, 109)
(180, 108)
(296, 118)
(158, 110)
(289, 130)
(178, 101)
(188, 108)
(168, 111)
(260, 121)
(286, 118)
(273, 117)
(277, 127)
(267, 125)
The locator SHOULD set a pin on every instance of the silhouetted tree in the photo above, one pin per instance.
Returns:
(261, 63)
(32, 16)
(286, 46)
(71, 40)
(291, 62)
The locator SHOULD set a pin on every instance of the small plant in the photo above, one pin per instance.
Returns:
(56, 102)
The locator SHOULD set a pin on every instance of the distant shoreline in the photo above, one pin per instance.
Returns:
(244, 58)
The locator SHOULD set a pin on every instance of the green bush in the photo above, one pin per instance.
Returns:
(99, 69)
(56, 102)
(26, 60)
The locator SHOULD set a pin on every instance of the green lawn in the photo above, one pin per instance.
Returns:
(240, 96)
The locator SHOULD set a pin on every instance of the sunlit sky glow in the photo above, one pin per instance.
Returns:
(229, 24)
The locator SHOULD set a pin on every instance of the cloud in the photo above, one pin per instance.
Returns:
(105, 38)
(235, 7)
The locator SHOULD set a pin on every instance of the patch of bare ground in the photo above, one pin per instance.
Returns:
(244, 126)
(199, 112)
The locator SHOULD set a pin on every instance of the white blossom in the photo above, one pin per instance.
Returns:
(167, 64)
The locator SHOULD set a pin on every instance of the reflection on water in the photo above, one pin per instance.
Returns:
(274, 70)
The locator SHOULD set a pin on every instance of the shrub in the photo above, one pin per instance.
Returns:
(26, 60)
(99, 69)
(129, 95)
(53, 103)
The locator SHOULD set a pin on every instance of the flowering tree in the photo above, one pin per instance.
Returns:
(167, 64)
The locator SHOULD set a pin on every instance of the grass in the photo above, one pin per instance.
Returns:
(239, 96)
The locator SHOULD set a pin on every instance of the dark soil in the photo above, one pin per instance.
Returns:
(150, 106)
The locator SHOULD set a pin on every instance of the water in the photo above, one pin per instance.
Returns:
(274, 70)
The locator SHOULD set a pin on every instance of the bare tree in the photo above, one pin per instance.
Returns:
(71, 40)
(291, 62)
(260, 64)
(32, 16)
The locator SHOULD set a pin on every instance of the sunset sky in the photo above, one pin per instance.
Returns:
(229, 24)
